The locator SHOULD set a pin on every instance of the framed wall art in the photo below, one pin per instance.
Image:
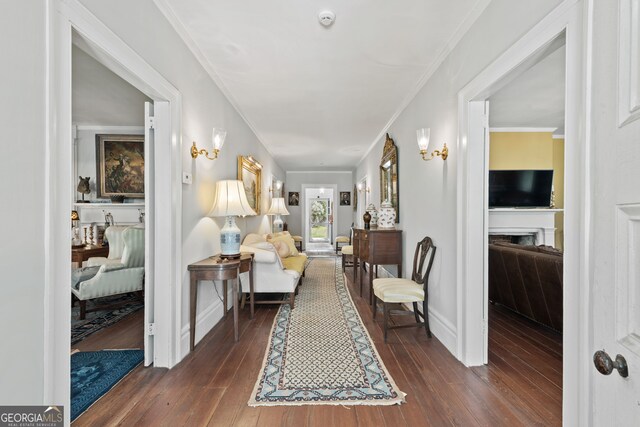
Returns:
(294, 198)
(345, 198)
(120, 166)
(249, 172)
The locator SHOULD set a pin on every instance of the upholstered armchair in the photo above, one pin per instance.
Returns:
(103, 277)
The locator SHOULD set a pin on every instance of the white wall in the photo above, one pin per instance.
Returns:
(22, 162)
(141, 25)
(343, 180)
(428, 189)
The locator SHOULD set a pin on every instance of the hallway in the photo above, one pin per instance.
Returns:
(520, 386)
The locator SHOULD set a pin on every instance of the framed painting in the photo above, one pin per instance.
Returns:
(294, 198)
(249, 172)
(120, 166)
(345, 198)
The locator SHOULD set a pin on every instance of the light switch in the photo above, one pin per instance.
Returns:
(186, 178)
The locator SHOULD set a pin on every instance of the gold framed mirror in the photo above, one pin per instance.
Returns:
(389, 175)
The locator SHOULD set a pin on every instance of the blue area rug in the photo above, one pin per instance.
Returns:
(93, 373)
(320, 352)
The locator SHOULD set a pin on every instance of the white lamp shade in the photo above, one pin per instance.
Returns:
(230, 200)
(423, 135)
(218, 137)
(278, 207)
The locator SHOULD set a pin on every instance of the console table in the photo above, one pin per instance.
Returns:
(218, 268)
(376, 247)
(78, 255)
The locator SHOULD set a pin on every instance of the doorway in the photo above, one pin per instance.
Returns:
(163, 260)
(472, 196)
(319, 219)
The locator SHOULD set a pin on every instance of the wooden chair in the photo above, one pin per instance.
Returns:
(402, 291)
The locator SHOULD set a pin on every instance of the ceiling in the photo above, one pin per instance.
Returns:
(534, 99)
(316, 96)
(100, 97)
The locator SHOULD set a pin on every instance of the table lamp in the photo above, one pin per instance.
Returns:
(230, 201)
(277, 208)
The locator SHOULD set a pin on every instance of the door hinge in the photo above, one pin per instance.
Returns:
(485, 121)
(151, 329)
(151, 122)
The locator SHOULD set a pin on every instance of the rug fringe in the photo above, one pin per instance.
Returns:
(390, 402)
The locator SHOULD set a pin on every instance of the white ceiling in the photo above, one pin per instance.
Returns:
(100, 97)
(316, 96)
(534, 99)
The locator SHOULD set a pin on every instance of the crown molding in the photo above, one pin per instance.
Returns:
(168, 12)
(349, 172)
(462, 29)
(101, 128)
(516, 129)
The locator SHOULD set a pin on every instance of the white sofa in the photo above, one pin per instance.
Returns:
(269, 274)
(119, 273)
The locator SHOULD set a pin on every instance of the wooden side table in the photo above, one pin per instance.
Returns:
(218, 268)
(84, 253)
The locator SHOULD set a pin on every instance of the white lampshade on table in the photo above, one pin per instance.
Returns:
(230, 201)
(277, 208)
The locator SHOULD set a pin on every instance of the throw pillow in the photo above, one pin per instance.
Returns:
(282, 249)
(289, 241)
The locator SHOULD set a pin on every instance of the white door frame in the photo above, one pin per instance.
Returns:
(305, 229)
(63, 16)
(471, 252)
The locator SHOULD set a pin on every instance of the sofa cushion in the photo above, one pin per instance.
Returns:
(295, 263)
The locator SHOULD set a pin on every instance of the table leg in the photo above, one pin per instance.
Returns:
(371, 274)
(251, 288)
(235, 307)
(224, 298)
(192, 312)
(360, 267)
(399, 271)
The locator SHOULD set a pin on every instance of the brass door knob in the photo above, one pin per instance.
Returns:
(605, 365)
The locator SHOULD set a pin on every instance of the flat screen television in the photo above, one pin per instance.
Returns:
(520, 188)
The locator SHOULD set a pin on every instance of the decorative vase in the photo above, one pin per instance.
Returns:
(367, 220)
(386, 215)
(371, 209)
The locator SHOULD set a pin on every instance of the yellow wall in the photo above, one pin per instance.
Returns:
(521, 150)
(558, 189)
(532, 150)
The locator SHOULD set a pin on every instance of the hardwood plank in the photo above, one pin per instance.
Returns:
(521, 385)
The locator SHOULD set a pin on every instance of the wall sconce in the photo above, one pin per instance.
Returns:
(218, 141)
(362, 188)
(276, 189)
(423, 143)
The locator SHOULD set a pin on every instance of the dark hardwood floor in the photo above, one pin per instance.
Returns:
(521, 385)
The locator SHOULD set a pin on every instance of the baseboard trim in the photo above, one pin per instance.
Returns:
(205, 321)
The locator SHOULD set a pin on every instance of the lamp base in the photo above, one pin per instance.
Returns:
(278, 224)
(231, 256)
(230, 238)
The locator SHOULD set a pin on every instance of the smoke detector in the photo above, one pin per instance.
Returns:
(326, 18)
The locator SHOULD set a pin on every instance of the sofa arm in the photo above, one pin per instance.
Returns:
(261, 255)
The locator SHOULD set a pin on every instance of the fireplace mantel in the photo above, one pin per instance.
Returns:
(524, 221)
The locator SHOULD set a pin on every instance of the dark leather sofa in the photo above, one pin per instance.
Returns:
(527, 280)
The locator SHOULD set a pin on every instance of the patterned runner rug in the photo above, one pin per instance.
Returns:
(320, 353)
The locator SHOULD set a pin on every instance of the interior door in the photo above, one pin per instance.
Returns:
(149, 243)
(615, 241)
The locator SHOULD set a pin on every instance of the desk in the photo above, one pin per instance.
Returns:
(84, 253)
(217, 268)
(376, 247)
